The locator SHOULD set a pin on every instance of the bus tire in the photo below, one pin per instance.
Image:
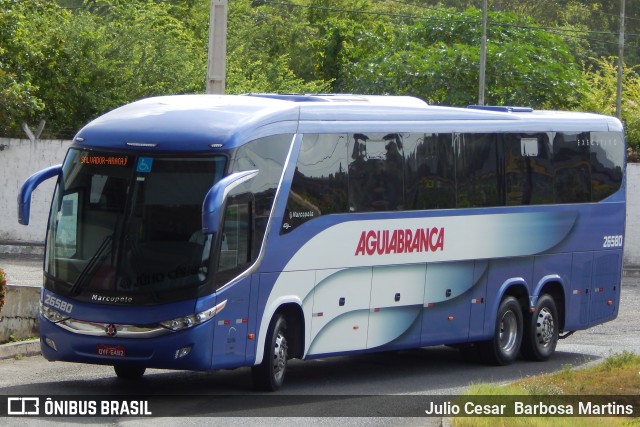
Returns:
(541, 330)
(269, 375)
(128, 372)
(503, 349)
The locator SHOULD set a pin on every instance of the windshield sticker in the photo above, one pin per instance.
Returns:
(144, 164)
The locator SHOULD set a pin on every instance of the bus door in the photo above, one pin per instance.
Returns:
(234, 256)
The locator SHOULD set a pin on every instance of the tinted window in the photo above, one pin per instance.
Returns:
(477, 170)
(319, 185)
(267, 155)
(376, 172)
(429, 171)
(607, 163)
(235, 247)
(572, 167)
(130, 225)
(528, 169)
(414, 171)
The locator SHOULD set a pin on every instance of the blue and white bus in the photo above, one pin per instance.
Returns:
(205, 232)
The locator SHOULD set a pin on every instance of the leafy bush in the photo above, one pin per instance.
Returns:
(3, 287)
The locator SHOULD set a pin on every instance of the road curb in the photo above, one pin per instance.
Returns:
(631, 271)
(22, 348)
(21, 248)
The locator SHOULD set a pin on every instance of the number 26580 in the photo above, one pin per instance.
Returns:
(612, 241)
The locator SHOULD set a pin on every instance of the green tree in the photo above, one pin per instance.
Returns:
(436, 57)
(589, 27)
(599, 96)
(77, 63)
(129, 51)
(68, 61)
(19, 102)
(270, 52)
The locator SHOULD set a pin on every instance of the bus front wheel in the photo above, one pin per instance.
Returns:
(542, 330)
(269, 375)
(503, 349)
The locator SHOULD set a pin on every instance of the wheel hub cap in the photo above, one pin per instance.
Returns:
(545, 327)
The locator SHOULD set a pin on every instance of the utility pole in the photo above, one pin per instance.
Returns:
(620, 61)
(483, 54)
(216, 65)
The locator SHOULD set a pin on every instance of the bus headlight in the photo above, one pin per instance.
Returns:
(180, 323)
(52, 315)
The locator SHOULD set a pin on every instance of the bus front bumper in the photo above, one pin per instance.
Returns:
(189, 349)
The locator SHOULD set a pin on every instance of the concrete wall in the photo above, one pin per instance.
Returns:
(632, 234)
(19, 159)
(20, 313)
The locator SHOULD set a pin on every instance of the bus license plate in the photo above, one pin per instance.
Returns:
(110, 350)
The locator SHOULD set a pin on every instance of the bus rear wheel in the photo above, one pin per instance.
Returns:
(503, 349)
(126, 372)
(269, 375)
(542, 330)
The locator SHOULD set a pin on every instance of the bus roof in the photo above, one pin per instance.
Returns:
(200, 122)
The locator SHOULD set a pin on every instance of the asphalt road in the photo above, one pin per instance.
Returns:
(370, 386)
(25, 270)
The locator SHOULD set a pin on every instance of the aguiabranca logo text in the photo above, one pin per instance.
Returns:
(384, 242)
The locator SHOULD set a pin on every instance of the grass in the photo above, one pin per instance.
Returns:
(617, 375)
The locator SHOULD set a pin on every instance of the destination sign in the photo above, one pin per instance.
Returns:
(104, 160)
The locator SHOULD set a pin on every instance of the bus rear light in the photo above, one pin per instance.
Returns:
(185, 322)
(182, 352)
(609, 302)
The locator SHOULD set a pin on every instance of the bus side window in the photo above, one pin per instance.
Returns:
(376, 172)
(477, 172)
(67, 229)
(572, 167)
(319, 184)
(235, 243)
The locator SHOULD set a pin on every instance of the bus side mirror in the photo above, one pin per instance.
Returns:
(212, 208)
(24, 198)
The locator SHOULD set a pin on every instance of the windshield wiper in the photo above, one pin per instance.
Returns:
(77, 285)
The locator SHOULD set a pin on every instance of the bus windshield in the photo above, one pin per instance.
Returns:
(128, 228)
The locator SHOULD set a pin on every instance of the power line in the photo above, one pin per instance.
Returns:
(559, 31)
